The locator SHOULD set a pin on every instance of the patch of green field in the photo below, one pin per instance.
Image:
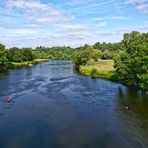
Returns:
(41, 60)
(102, 65)
(100, 69)
(28, 63)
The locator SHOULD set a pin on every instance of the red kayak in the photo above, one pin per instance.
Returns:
(8, 100)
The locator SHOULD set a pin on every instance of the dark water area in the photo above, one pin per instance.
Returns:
(52, 106)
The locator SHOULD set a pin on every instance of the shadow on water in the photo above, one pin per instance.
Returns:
(136, 103)
(132, 113)
(3, 73)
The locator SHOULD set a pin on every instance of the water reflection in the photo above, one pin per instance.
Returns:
(136, 103)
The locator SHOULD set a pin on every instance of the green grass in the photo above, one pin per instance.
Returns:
(102, 65)
(100, 69)
(27, 63)
(41, 60)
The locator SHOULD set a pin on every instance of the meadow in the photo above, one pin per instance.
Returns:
(99, 69)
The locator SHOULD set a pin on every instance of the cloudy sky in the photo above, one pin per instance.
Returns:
(31, 23)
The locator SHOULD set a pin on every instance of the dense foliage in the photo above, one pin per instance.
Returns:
(84, 54)
(130, 56)
(14, 55)
(3, 57)
(20, 55)
(54, 53)
(132, 64)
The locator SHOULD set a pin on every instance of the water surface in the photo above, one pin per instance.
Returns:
(54, 107)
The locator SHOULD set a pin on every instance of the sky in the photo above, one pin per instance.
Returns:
(31, 23)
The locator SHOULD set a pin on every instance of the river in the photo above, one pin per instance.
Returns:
(52, 106)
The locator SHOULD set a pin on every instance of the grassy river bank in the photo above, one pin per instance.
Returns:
(100, 69)
(27, 63)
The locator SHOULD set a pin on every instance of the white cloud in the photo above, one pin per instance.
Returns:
(143, 29)
(141, 5)
(69, 36)
(105, 34)
(123, 30)
(101, 24)
(22, 34)
(143, 8)
(97, 19)
(30, 4)
(118, 18)
(70, 22)
(35, 10)
(135, 1)
(127, 30)
(72, 32)
(32, 26)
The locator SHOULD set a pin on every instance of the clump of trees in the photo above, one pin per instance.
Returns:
(3, 57)
(109, 50)
(54, 53)
(14, 55)
(86, 53)
(132, 63)
(130, 56)
(20, 55)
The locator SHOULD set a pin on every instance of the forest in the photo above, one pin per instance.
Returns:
(130, 57)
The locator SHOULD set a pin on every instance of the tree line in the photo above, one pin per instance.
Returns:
(130, 56)
(14, 55)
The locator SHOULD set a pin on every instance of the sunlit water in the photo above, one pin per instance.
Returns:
(54, 107)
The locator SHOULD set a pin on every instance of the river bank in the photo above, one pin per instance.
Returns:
(27, 63)
(102, 69)
(13, 65)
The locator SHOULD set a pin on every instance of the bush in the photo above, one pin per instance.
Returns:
(93, 73)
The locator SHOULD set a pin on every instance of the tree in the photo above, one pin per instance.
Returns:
(3, 57)
(27, 54)
(87, 53)
(20, 55)
(132, 65)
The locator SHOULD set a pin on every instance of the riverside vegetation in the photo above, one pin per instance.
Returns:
(16, 58)
(100, 69)
(125, 61)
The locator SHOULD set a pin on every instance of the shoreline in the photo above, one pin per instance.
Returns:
(15, 65)
(27, 63)
(107, 75)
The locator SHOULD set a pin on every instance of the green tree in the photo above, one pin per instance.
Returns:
(132, 65)
(82, 56)
(20, 55)
(3, 57)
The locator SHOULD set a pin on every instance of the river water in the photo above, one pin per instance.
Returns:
(52, 106)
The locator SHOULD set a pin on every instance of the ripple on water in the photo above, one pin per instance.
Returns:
(54, 107)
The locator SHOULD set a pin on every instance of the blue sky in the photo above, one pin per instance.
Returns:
(31, 23)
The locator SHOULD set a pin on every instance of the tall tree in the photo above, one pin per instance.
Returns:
(132, 64)
(3, 57)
